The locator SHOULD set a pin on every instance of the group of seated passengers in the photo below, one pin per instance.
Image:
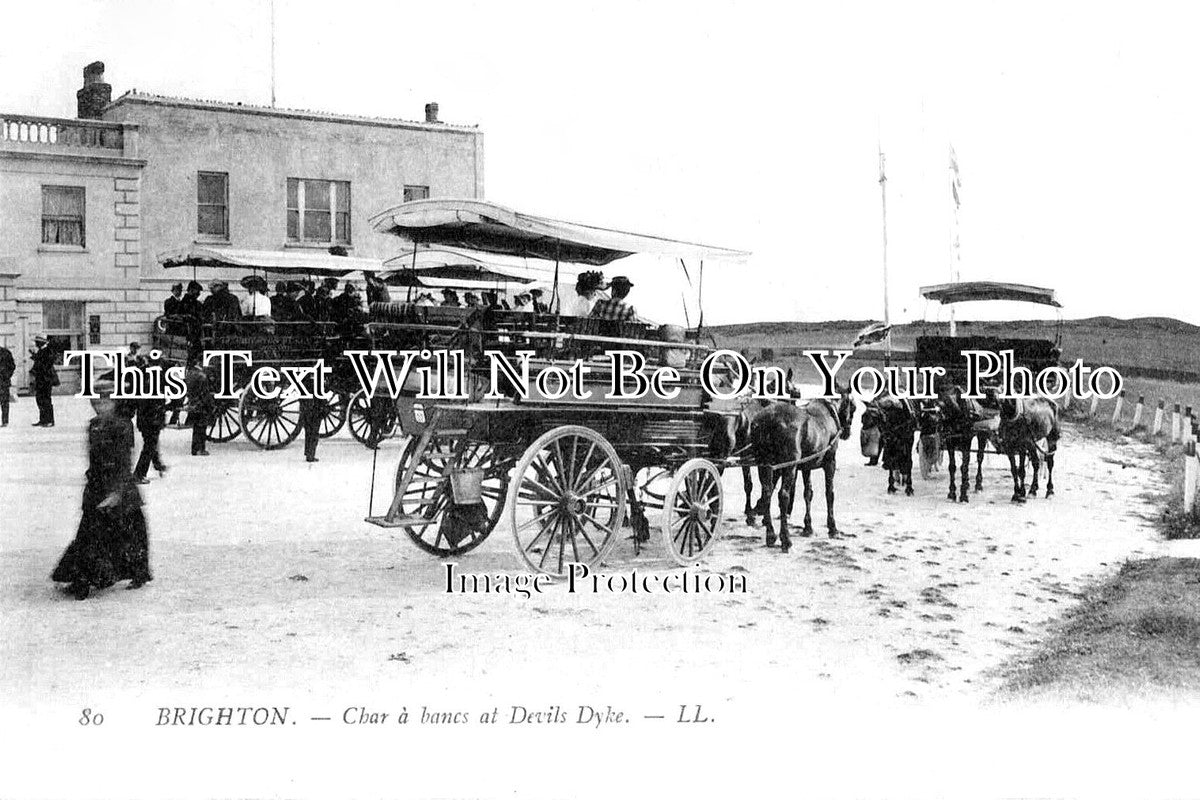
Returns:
(592, 297)
(293, 301)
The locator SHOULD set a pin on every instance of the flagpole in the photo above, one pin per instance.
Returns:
(954, 260)
(272, 53)
(887, 356)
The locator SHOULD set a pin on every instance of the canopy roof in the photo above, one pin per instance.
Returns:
(489, 228)
(284, 262)
(971, 291)
(451, 264)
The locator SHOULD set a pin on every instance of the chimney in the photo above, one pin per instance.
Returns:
(95, 94)
(431, 112)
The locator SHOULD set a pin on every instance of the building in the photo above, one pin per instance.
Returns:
(88, 204)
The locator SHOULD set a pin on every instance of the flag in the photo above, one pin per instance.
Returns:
(955, 181)
(872, 334)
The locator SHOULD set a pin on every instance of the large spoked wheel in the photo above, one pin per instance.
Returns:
(429, 495)
(691, 521)
(567, 500)
(226, 422)
(270, 424)
(370, 425)
(333, 414)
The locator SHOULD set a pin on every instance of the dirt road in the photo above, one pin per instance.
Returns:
(267, 578)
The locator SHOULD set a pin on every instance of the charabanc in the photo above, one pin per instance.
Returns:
(567, 473)
(956, 422)
(269, 423)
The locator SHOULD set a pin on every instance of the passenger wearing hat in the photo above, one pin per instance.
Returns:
(588, 291)
(44, 378)
(538, 306)
(523, 301)
(256, 305)
(615, 308)
(220, 305)
(112, 543)
(189, 304)
(471, 300)
(345, 310)
(450, 298)
(171, 304)
(425, 299)
(306, 300)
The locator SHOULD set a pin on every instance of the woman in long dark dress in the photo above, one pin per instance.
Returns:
(112, 543)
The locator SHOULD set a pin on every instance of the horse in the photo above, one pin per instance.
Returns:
(749, 409)
(889, 426)
(786, 439)
(1024, 423)
(962, 422)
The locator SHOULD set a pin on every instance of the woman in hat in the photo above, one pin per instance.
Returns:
(450, 298)
(111, 543)
(588, 289)
(171, 304)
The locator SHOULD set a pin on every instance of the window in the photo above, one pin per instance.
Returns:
(318, 211)
(94, 329)
(212, 204)
(62, 324)
(415, 193)
(62, 215)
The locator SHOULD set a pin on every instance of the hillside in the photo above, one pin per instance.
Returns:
(1152, 343)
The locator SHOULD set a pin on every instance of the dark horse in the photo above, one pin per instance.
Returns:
(1024, 423)
(787, 438)
(962, 422)
(889, 427)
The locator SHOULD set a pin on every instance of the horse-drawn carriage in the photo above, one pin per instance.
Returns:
(270, 423)
(566, 472)
(946, 351)
(958, 421)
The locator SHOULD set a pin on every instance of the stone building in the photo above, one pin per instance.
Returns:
(88, 204)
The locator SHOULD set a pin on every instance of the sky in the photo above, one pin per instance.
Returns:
(751, 125)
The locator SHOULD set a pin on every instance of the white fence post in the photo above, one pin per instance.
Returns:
(1137, 412)
(1094, 406)
(1158, 418)
(1191, 473)
(1175, 432)
(1116, 417)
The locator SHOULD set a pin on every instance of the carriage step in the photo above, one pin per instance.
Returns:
(413, 521)
(451, 432)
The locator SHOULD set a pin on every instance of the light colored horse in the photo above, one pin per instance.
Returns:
(1024, 423)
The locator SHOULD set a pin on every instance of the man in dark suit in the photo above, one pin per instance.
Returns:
(171, 304)
(7, 367)
(151, 418)
(44, 378)
(200, 406)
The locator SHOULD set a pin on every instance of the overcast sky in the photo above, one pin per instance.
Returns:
(747, 125)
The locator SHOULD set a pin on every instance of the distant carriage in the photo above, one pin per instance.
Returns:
(964, 421)
(567, 473)
(270, 423)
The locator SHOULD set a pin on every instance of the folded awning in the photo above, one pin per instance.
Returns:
(973, 291)
(486, 227)
(283, 262)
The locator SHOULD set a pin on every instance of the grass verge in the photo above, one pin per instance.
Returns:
(1136, 633)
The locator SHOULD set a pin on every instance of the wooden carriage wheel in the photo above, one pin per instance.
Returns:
(691, 521)
(567, 500)
(270, 424)
(429, 494)
(226, 422)
(333, 414)
(362, 427)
